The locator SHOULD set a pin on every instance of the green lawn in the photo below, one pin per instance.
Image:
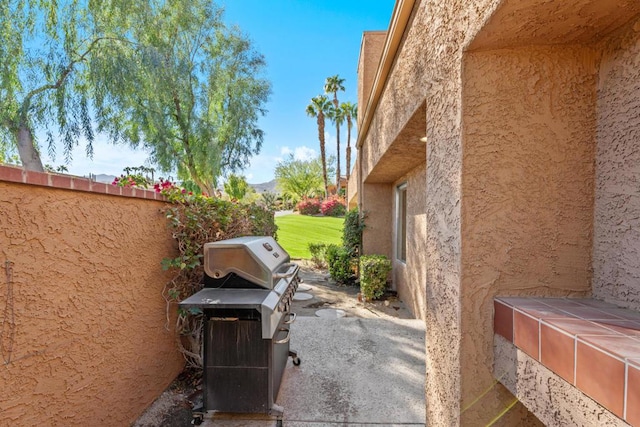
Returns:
(295, 232)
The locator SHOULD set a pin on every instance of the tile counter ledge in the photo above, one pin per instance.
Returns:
(591, 344)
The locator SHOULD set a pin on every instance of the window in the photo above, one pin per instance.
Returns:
(401, 222)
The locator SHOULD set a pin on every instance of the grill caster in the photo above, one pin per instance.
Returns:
(294, 358)
(197, 420)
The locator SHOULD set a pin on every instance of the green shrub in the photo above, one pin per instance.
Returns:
(352, 231)
(318, 254)
(340, 263)
(373, 275)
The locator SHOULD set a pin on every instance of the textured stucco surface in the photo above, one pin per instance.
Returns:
(616, 250)
(428, 68)
(377, 200)
(352, 185)
(410, 277)
(543, 22)
(370, 53)
(527, 203)
(510, 155)
(555, 402)
(89, 343)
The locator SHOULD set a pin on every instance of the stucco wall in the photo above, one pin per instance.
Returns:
(552, 92)
(428, 66)
(616, 250)
(410, 277)
(377, 200)
(370, 52)
(88, 343)
(527, 202)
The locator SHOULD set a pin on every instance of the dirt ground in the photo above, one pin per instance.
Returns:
(173, 407)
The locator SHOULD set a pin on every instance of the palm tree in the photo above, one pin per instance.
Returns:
(337, 116)
(332, 85)
(350, 112)
(318, 108)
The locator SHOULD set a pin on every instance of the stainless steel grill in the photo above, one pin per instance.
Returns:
(249, 285)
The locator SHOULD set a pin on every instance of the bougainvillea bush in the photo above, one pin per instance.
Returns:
(309, 207)
(333, 206)
(195, 219)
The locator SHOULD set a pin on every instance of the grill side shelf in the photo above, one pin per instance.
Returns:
(226, 298)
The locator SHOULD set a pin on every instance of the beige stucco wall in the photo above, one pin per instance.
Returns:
(89, 344)
(352, 186)
(428, 66)
(527, 191)
(409, 277)
(534, 176)
(377, 200)
(616, 250)
(370, 52)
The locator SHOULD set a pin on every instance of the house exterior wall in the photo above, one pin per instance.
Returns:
(409, 277)
(510, 89)
(616, 250)
(527, 192)
(89, 342)
(352, 186)
(377, 200)
(370, 53)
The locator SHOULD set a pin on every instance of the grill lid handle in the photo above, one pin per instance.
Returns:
(291, 271)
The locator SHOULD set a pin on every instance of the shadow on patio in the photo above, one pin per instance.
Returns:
(354, 371)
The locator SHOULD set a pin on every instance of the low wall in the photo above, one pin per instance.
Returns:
(82, 317)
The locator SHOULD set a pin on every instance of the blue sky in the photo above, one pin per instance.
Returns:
(303, 41)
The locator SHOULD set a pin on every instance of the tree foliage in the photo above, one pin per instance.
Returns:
(300, 178)
(44, 49)
(236, 187)
(191, 94)
(166, 76)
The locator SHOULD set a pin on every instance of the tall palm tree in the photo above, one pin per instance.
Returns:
(318, 108)
(332, 85)
(337, 117)
(350, 112)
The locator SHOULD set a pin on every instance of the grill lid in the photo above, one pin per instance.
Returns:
(258, 259)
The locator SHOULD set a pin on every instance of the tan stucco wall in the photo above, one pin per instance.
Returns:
(616, 251)
(556, 87)
(370, 53)
(527, 191)
(409, 278)
(352, 186)
(90, 345)
(377, 200)
(428, 66)
(554, 401)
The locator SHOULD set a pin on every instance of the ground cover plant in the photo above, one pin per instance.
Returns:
(295, 232)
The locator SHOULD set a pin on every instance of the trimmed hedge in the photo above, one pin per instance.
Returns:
(373, 275)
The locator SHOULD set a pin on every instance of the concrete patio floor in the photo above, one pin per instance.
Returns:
(354, 371)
